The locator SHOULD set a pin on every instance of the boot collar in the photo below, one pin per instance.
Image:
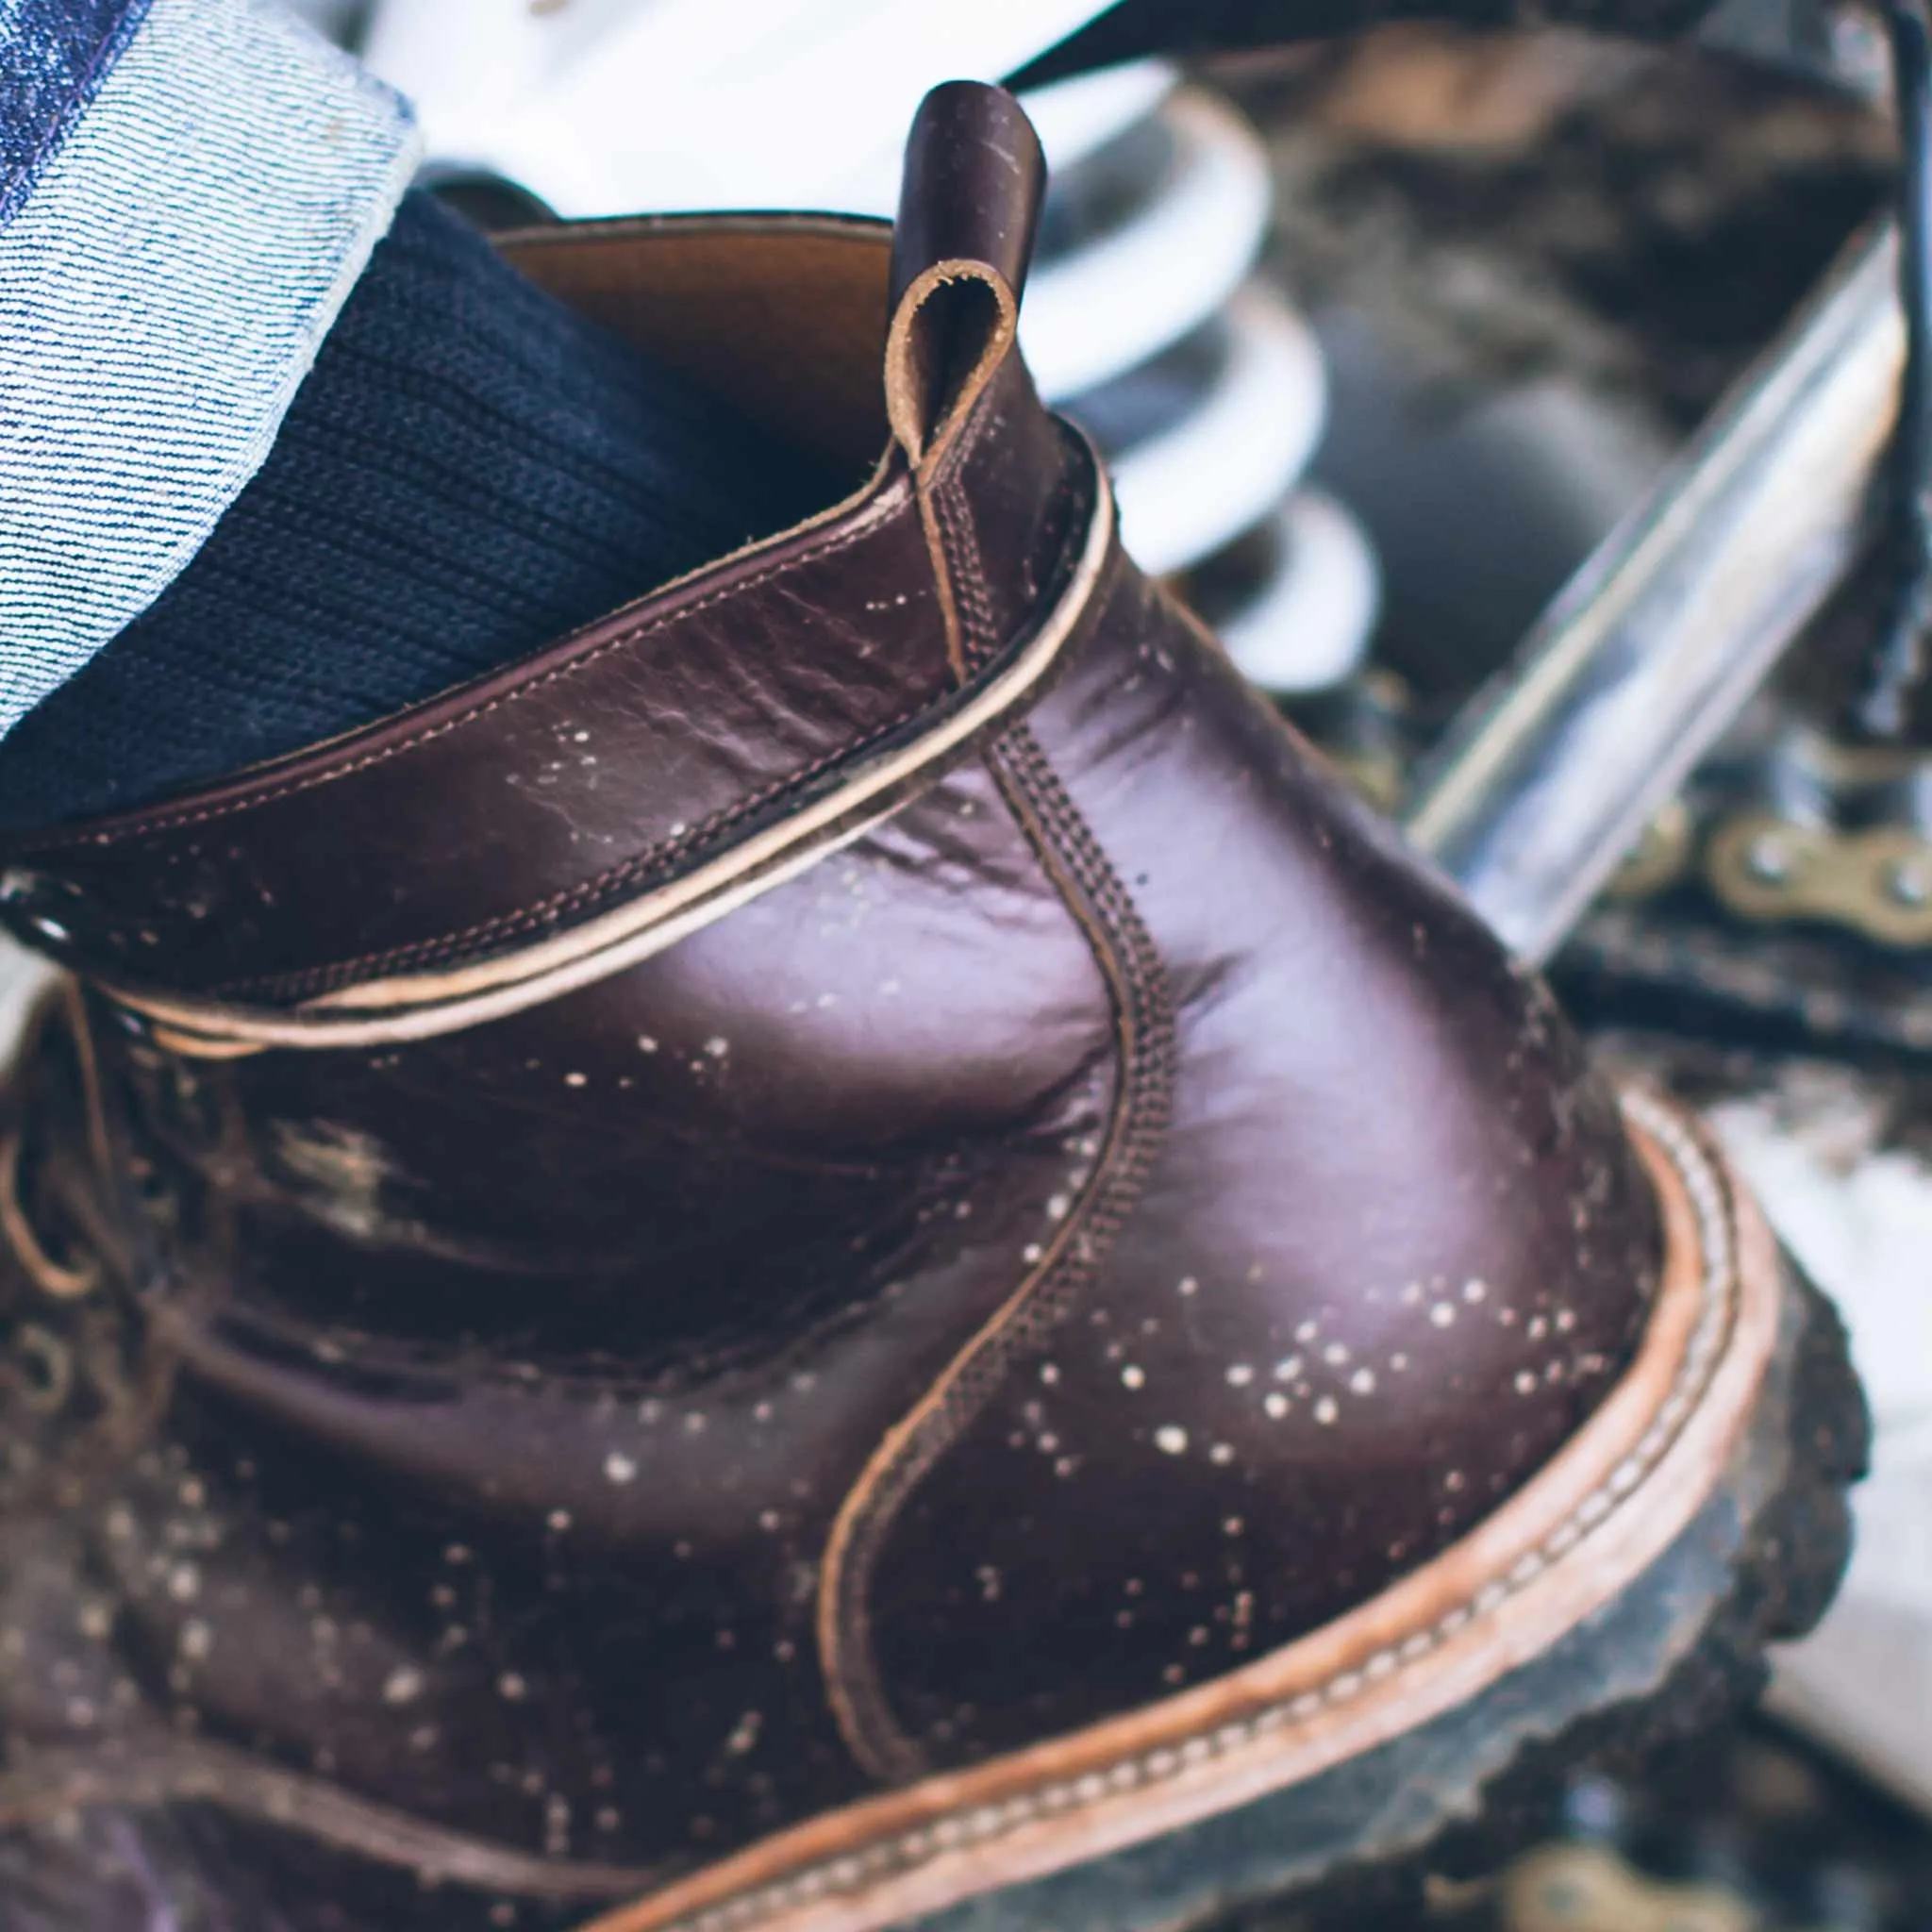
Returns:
(564, 818)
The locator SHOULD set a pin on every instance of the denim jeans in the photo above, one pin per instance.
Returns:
(188, 192)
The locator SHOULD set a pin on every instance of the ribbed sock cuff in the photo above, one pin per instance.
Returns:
(469, 472)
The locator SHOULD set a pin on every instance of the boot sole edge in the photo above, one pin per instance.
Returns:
(1575, 1615)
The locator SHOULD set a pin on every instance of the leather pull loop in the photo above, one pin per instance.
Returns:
(968, 212)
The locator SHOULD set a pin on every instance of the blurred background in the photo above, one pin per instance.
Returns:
(1383, 341)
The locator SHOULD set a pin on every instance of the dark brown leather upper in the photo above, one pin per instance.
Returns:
(1109, 1219)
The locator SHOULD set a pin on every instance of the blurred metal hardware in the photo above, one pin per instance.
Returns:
(1552, 772)
(1149, 229)
(1295, 598)
(1200, 382)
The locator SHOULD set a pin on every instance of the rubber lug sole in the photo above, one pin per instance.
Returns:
(1810, 1444)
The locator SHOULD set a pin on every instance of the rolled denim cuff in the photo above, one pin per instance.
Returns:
(208, 184)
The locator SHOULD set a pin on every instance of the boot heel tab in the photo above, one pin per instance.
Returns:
(968, 212)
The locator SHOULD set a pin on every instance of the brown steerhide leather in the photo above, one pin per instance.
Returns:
(862, 1164)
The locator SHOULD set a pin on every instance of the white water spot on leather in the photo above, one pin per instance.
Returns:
(403, 1685)
(1171, 1439)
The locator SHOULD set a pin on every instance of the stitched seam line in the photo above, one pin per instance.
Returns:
(1145, 1030)
(963, 564)
(878, 514)
(511, 924)
(968, 570)
(906, 1850)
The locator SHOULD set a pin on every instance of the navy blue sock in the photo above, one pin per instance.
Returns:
(468, 471)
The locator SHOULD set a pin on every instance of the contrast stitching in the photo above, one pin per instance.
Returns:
(1144, 1029)
(849, 1872)
(876, 514)
(961, 562)
(965, 567)
(509, 924)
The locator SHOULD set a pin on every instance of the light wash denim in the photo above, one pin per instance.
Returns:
(188, 192)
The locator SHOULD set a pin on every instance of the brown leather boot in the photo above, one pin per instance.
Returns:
(850, 1251)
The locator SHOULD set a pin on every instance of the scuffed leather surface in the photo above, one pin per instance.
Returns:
(522, 804)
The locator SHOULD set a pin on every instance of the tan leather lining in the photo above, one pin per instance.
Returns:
(782, 314)
(1560, 1549)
